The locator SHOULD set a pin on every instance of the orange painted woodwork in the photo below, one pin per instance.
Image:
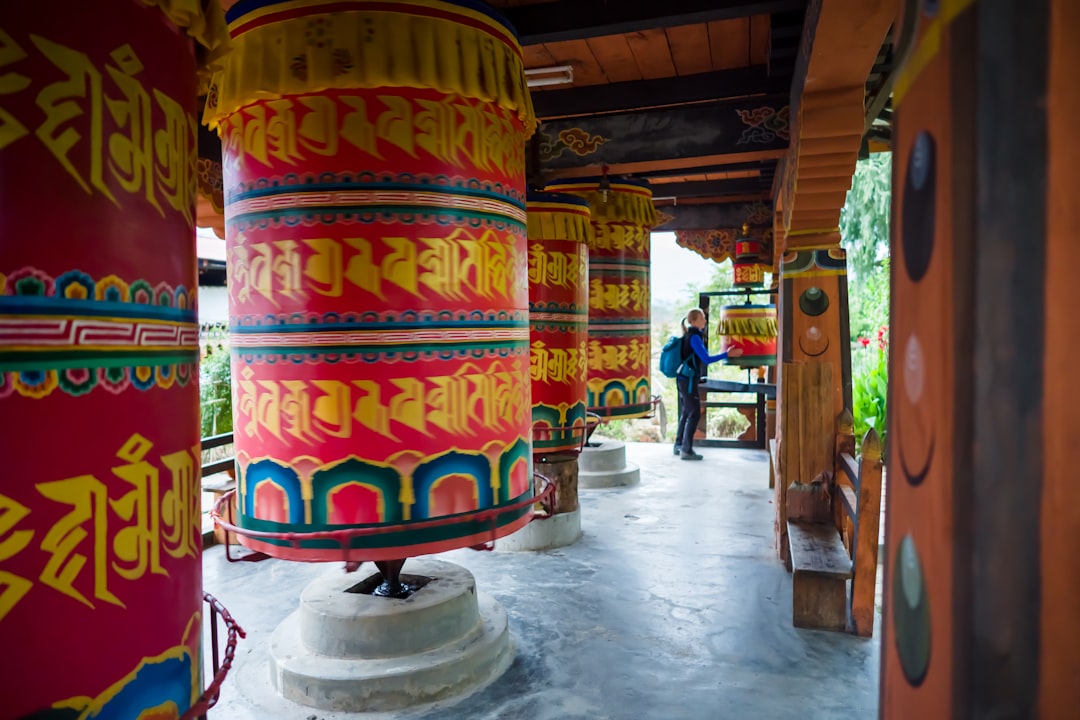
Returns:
(918, 654)
(1059, 663)
(100, 522)
(559, 229)
(379, 310)
(620, 360)
(814, 315)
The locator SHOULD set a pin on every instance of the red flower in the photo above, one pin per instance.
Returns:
(865, 342)
(883, 337)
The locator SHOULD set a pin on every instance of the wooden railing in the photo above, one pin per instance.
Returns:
(212, 483)
(826, 553)
(857, 514)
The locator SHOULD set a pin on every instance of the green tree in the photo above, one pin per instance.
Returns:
(864, 219)
(864, 227)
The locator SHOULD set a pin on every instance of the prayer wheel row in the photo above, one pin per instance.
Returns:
(619, 346)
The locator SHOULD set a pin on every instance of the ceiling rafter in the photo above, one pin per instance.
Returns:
(583, 19)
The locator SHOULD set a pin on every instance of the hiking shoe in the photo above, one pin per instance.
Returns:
(691, 456)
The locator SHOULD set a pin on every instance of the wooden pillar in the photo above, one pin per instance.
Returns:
(1059, 540)
(983, 533)
(814, 332)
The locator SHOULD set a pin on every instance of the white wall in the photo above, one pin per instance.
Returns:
(213, 305)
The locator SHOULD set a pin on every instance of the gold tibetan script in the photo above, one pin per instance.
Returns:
(633, 355)
(103, 126)
(557, 269)
(558, 365)
(455, 267)
(621, 296)
(107, 537)
(472, 401)
(456, 131)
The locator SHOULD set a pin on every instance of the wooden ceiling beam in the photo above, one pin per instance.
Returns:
(583, 19)
(714, 216)
(657, 93)
(763, 169)
(711, 188)
(693, 134)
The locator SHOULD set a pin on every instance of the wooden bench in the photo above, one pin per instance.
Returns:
(825, 555)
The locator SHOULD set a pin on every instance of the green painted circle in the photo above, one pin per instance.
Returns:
(911, 612)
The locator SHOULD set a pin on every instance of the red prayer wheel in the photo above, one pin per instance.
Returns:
(374, 174)
(559, 229)
(620, 344)
(752, 328)
(747, 266)
(100, 521)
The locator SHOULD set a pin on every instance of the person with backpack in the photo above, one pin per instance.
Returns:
(695, 359)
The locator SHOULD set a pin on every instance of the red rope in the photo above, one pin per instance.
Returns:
(209, 698)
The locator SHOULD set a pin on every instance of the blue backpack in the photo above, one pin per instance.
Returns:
(671, 357)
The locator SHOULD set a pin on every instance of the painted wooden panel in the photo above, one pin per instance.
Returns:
(652, 53)
(615, 57)
(690, 48)
(929, 395)
(729, 43)
(703, 130)
(1059, 662)
(578, 54)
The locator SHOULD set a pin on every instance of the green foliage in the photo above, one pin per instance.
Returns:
(864, 219)
(870, 383)
(864, 225)
(215, 393)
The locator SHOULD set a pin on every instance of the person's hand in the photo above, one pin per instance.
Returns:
(734, 352)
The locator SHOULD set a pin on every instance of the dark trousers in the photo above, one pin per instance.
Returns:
(690, 414)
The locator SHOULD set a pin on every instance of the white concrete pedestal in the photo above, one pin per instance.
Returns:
(605, 465)
(351, 652)
(554, 532)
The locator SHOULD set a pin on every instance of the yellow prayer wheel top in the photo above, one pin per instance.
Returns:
(289, 47)
(552, 216)
(622, 200)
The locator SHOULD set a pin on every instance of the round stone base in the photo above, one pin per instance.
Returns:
(554, 532)
(353, 652)
(605, 466)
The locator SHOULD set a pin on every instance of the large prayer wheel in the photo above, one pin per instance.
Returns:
(100, 522)
(375, 226)
(753, 329)
(620, 356)
(559, 229)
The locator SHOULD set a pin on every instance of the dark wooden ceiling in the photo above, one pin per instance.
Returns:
(693, 95)
(676, 76)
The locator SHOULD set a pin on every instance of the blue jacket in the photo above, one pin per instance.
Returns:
(695, 357)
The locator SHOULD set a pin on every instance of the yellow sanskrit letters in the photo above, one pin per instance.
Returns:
(107, 130)
(624, 296)
(472, 401)
(456, 131)
(12, 542)
(107, 536)
(630, 356)
(556, 269)
(455, 267)
(558, 365)
(634, 239)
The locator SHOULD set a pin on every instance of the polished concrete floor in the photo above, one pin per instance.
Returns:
(673, 605)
